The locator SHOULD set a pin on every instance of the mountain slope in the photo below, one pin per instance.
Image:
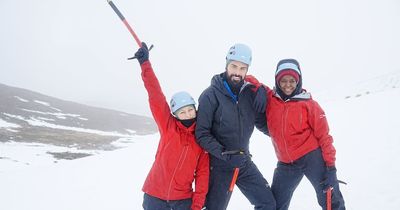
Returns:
(27, 116)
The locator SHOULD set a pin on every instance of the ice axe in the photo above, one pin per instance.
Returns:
(116, 10)
(329, 195)
(235, 174)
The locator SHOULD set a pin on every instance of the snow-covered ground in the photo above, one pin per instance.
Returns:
(42, 122)
(364, 129)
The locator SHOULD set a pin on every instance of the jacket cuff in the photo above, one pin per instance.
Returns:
(146, 64)
(196, 207)
(331, 168)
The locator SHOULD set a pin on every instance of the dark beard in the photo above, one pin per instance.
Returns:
(234, 82)
(234, 85)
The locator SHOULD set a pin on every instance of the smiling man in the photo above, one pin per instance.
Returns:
(226, 119)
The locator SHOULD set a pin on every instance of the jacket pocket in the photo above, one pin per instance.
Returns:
(295, 120)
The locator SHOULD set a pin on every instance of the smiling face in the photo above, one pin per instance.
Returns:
(287, 84)
(186, 113)
(236, 71)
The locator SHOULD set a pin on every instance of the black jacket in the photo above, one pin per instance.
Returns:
(224, 124)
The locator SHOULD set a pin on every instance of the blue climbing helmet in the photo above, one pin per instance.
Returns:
(181, 99)
(239, 52)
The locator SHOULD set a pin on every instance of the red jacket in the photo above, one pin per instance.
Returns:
(179, 160)
(297, 127)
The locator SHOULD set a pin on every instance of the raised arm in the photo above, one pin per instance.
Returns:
(158, 104)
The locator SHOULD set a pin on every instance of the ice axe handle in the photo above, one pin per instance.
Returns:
(230, 190)
(116, 10)
(234, 178)
(329, 199)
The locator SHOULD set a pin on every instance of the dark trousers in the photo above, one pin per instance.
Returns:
(288, 176)
(153, 203)
(250, 182)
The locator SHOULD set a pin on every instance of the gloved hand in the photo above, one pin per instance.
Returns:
(237, 160)
(330, 178)
(142, 54)
(260, 100)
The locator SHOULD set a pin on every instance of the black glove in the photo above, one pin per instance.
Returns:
(142, 54)
(330, 179)
(260, 100)
(237, 160)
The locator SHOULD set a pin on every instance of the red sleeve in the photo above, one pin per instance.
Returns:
(253, 80)
(201, 181)
(158, 104)
(320, 127)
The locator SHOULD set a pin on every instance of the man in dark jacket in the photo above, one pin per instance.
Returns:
(225, 122)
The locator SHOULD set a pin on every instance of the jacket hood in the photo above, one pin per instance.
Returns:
(288, 64)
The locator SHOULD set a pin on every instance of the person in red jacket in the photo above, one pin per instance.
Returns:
(299, 131)
(179, 161)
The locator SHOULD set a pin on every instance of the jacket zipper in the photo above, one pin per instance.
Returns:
(240, 125)
(239, 118)
(182, 157)
(238, 110)
(284, 119)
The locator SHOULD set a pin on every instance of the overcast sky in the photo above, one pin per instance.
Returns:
(77, 50)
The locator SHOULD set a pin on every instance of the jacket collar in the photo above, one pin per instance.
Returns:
(181, 127)
(303, 95)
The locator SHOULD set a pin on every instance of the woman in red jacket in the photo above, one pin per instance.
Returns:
(179, 161)
(300, 134)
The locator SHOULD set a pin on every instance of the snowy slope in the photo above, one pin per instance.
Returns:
(366, 138)
(28, 116)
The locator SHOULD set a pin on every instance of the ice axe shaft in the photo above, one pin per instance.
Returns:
(231, 186)
(116, 10)
(234, 178)
(329, 199)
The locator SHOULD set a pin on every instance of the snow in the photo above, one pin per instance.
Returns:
(16, 156)
(365, 130)
(42, 102)
(4, 124)
(111, 180)
(41, 122)
(45, 119)
(21, 99)
(381, 83)
(131, 131)
(14, 116)
(57, 114)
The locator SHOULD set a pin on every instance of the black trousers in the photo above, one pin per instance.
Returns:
(288, 176)
(250, 182)
(153, 203)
